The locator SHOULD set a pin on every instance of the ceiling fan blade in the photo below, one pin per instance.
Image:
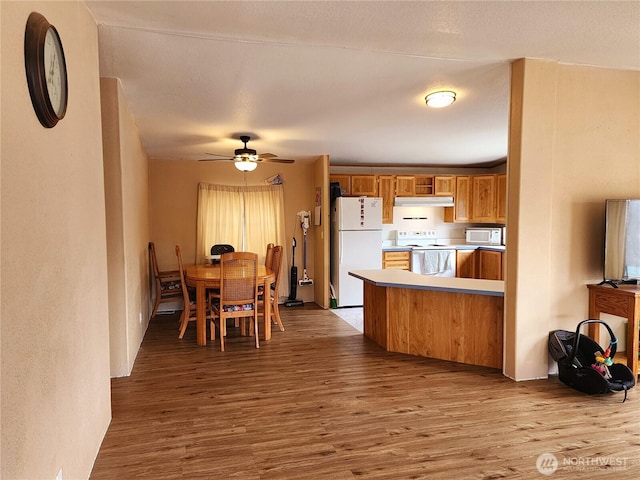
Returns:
(247, 154)
(276, 160)
(215, 159)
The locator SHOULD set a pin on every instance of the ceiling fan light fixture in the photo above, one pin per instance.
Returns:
(245, 165)
(440, 99)
(245, 157)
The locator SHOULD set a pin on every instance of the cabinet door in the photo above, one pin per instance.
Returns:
(462, 200)
(344, 181)
(501, 200)
(424, 185)
(405, 185)
(466, 263)
(483, 198)
(386, 190)
(489, 265)
(444, 185)
(396, 260)
(364, 185)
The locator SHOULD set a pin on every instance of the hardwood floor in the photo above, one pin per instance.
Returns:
(319, 401)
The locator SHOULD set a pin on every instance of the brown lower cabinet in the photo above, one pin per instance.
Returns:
(489, 265)
(466, 263)
(423, 322)
(397, 260)
(482, 264)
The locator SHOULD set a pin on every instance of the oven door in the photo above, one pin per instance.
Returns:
(434, 262)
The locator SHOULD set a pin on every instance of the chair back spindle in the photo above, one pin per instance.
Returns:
(167, 283)
(238, 291)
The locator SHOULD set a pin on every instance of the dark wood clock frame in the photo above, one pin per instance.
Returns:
(34, 39)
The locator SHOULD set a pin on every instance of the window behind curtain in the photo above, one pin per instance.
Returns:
(246, 217)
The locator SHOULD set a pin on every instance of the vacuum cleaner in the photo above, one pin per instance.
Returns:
(304, 224)
(293, 280)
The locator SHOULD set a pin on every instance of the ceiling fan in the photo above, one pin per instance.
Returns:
(246, 159)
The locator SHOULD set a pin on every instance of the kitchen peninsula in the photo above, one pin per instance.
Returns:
(455, 319)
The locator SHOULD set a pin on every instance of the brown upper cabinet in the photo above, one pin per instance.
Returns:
(405, 185)
(477, 198)
(344, 181)
(461, 210)
(386, 190)
(501, 200)
(364, 186)
(444, 185)
(483, 198)
(423, 185)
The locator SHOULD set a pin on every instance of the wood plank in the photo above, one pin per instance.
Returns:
(375, 318)
(322, 401)
(450, 326)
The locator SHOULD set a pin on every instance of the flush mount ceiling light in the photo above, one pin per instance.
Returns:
(245, 164)
(440, 99)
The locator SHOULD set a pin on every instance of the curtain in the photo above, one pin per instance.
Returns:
(219, 214)
(264, 217)
(246, 217)
(616, 216)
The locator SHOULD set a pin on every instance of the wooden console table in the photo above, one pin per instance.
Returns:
(623, 301)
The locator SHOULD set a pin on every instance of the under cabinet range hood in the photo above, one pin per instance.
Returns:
(423, 202)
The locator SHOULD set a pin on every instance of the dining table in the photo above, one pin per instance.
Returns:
(203, 277)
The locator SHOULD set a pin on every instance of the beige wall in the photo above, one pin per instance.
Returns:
(322, 233)
(573, 143)
(173, 187)
(54, 323)
(127, 217)
(54, 326)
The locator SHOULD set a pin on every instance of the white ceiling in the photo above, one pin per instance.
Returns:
(344, 78)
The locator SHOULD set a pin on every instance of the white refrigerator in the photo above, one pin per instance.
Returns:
(356, 244)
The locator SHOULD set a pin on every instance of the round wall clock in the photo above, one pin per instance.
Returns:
(46, 70)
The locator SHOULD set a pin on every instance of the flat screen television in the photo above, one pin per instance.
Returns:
(622, 241)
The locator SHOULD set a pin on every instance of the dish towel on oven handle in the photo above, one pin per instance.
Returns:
(436, 261)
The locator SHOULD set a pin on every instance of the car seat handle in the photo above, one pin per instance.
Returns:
(612, 344)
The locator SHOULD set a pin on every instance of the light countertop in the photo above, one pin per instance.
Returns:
(495, 248)
(405, 279)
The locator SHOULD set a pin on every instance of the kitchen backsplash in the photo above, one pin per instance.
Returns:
(424, 218)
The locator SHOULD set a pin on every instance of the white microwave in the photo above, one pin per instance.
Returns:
(484, 236)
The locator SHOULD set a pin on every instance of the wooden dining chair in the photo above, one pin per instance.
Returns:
(167, 282)
(268, 258)
(269, 255)
(189, 309)
(271, 294)
(238, 292)
(219, 249)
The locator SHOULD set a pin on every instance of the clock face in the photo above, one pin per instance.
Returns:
(54, 71)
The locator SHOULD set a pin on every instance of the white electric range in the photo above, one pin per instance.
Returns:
(428, 257)
(416, 238)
